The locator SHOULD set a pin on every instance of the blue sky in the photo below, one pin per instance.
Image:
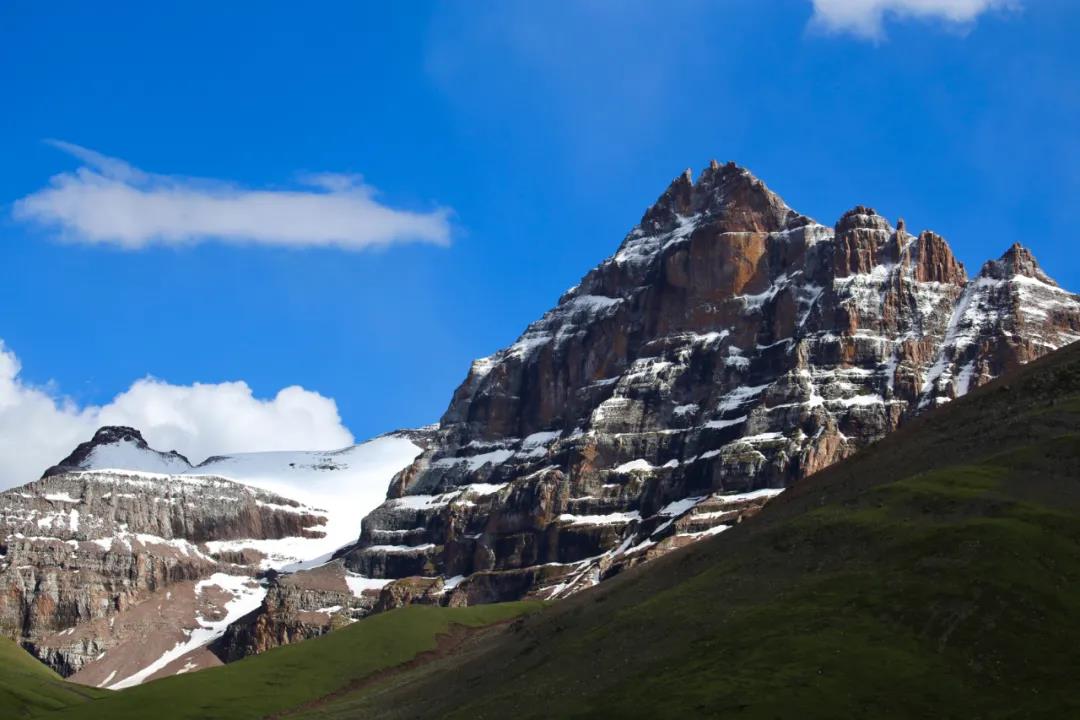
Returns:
(526, 137)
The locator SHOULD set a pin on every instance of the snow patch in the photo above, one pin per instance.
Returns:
(616, 518)
(246, 597)
(635, 465)
(358, 583)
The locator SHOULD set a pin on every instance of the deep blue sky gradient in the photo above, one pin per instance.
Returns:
(546, 127)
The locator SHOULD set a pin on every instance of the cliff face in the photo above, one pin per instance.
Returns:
(299, 606)
(82, 548)
(730, 347)
(124, 563)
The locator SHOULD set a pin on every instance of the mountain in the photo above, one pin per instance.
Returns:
(933, 574)
(125, 563)
(729, 348)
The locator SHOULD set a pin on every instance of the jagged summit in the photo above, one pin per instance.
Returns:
(1017, 260)
(119, 446)
(862, 216)
(107, 434)
(728, 197)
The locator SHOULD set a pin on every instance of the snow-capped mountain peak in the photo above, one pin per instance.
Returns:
(120, 447)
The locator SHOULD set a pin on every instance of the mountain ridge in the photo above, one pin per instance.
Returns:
(123, 563)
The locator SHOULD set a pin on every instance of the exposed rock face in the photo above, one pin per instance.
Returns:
(81, 548)
(730, 347)
(298, 606)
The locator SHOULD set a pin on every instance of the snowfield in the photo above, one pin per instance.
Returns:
(345, 485)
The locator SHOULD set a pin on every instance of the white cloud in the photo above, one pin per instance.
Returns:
(38, 428)
(866, 18)
(107, 201)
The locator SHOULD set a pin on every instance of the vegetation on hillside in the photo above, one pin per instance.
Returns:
(28, 687)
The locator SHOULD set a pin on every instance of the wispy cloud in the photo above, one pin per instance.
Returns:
(38, 428)
(866, 18)
(108, 201)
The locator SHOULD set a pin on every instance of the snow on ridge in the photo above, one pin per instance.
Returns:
(678, 507)
(482, 366)
(349, 483)
(614, 518)
(721, 424)
(399, 549)
(976, 312)
(591, 303)
(475, 462)
(460, 495)
(61, 497)
(757, 301)
(639, 248)
(482, 489)
(422, 502)
(640, 464)
(358, 583)
(740, 396)
(128, 455)
(540, 438)
(751, 495)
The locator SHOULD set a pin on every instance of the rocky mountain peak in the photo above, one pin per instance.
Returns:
(675, 201)
(1017, 260)
(108, 434)
(119, 446)
(862, 217)
(728, 197)
(864, 240)
(934, 260)
(729, 348)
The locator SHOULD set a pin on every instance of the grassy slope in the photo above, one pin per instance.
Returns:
(936, 574)
(290, 676)
(28, 687)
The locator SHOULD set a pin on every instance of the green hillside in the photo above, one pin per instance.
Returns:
(935, 575)
(291, 676)
(28, 687)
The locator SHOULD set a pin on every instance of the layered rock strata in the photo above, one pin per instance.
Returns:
(730, 347)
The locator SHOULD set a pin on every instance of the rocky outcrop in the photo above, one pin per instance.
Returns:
(730, 347)
(299, 606)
